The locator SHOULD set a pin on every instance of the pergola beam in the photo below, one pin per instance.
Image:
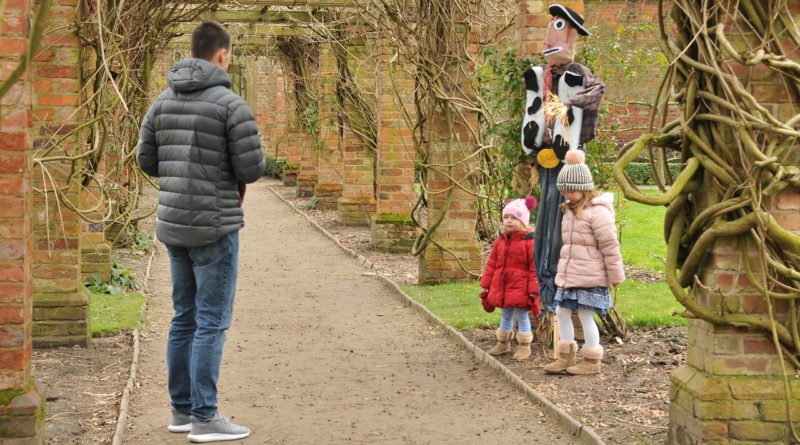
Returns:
(297, 3)
(245, 31)
(256, 16)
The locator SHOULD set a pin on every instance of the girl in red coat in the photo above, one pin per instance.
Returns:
(509, 281)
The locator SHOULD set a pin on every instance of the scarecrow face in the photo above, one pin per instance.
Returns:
(559, 43)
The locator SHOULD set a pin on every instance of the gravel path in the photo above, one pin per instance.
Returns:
(321, 352)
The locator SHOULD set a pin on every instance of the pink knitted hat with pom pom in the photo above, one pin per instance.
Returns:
(575, 175)
(521, 209)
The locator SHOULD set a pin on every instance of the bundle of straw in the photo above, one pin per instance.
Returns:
(555, 109)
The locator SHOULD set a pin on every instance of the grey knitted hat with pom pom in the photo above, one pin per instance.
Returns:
(575, 175)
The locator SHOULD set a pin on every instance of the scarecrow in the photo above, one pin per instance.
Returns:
(561, 107)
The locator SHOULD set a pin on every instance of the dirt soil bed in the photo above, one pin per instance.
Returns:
(627, 404)
(83, 387)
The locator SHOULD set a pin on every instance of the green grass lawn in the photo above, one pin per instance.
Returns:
(641, 234)
(114, 313)
(457, 304)
(648, 305)
(641, 304)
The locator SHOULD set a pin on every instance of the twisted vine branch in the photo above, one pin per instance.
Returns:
(737, 154)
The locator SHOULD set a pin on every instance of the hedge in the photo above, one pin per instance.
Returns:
(642, 174)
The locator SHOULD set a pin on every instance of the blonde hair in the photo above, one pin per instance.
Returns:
(577, 207)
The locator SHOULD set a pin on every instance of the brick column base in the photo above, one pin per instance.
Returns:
(707, 408)
(305, 185)
(328, 196)
(356, 211)
(393, 233)
(61, 319)
(22, 417)
(437, 266)
(96, 260)
(289, 178)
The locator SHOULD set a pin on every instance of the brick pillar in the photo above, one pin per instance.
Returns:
(329, 187)
(731, 389)
(309, 144)
(455, 253)
(309, 161)
(294, 132)
(392, 227)
(22, 408)
(278, 109)
(357, 203)
(271, 112)
(61, 303)
(95, 257)
(263, 100)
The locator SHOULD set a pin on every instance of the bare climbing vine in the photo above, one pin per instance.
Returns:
(737, 154)
(443, 41)
(119, 45)
(439, 43)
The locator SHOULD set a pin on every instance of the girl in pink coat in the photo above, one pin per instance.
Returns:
(590, 263)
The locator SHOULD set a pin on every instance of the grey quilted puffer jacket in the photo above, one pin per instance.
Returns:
(201, 140)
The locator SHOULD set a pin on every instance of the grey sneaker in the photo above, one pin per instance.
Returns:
(217, 429)
(180, 423)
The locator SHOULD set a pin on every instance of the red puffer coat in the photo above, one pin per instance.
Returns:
(510, 274)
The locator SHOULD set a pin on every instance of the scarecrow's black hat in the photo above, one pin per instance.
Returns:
(557, 10)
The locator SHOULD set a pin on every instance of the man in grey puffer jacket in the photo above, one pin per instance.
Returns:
(201, 140)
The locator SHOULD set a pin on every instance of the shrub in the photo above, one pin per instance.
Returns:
(274, 166)
(121, 280)
(642, 174)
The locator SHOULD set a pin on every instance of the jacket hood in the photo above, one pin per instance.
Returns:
(606, 200)
(196, 74)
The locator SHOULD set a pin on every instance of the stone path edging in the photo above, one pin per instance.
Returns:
(584, 433)
(124, 404)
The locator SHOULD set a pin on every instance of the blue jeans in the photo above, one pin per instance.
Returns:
(507, 316)
(203, 286)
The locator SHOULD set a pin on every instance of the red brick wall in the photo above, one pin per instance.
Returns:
(633, 75)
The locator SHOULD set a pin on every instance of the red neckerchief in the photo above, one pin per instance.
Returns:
(547, 84)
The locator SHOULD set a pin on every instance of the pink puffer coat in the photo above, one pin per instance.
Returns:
(590, 255)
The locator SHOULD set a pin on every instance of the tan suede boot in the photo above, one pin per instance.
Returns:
(503, 345)
(523, 351)
(566, 358)
(590, 363)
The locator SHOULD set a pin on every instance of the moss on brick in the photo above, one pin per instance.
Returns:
(7, 395)
(384, 218)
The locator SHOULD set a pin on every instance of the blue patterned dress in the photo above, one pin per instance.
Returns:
(597, 299)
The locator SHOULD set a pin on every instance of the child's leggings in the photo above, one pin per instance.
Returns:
(566, 332)
(507, 316)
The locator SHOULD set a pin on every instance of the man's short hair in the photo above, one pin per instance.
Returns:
(208, 38)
